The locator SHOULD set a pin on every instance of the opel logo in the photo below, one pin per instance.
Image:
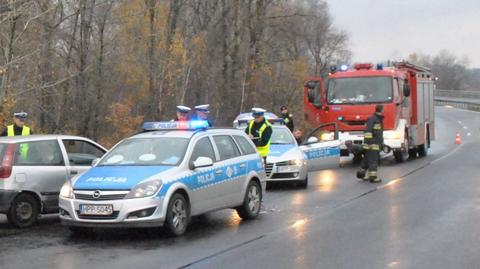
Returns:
(96, 194)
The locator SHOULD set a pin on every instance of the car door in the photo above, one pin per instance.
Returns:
(322, 147)
(80, 155)
(204, 194)
(41, 169)
(231, 165)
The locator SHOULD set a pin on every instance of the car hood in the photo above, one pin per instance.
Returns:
(116, 177)
(284, 152)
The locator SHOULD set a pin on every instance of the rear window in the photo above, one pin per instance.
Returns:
(35, 153)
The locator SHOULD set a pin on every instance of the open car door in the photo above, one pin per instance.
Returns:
(322, 147)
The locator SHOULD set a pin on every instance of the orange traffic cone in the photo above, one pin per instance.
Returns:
(458, 139)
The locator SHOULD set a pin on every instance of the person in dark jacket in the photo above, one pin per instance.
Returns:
(373, 142)
(260, 131)
(298, 134)
(18, 127)
(287, 118)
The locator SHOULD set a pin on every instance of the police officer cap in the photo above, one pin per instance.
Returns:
(203, 108)
(20, 115)
(256, 111)
(183, 109)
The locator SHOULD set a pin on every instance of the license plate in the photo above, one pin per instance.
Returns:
(103, 210)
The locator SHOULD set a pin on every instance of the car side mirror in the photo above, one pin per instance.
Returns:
(406, 90)
(312, 140)
(95, 161)
(202, 162)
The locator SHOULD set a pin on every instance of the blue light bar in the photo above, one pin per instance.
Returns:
(344, 67)
(179, 125)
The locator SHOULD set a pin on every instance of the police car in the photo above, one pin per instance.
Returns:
(288, 161)
(165, 175)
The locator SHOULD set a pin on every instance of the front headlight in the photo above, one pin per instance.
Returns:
(67, 190)
(145, 189)
(295, 162)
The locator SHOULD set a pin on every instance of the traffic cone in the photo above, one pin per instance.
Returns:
(458, 139)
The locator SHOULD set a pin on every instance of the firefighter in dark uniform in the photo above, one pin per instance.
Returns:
(202, 112)
(18, 127)
(260, 131)
(373, 142)
(287, 118)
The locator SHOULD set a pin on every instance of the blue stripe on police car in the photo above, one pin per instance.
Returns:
(322, 153)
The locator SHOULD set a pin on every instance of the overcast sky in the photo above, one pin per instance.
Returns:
(392, 29)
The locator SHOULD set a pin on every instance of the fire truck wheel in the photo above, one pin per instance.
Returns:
(412, 153)
(400, 156)
(422, 150)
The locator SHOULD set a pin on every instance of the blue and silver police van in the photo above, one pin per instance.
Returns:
(165, 175)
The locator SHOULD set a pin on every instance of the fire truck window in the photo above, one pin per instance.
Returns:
(356, 90)
(314, 95)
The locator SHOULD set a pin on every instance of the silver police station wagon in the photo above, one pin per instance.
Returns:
(165, 175)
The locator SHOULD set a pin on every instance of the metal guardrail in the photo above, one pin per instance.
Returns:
(469, 100)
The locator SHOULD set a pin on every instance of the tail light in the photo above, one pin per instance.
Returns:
(7, 162)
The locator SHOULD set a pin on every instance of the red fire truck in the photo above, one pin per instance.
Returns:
(348, 98)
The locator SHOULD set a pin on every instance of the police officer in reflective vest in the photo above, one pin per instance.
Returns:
(373, 142)
(18, 127)
(202, 112)
(260, 131)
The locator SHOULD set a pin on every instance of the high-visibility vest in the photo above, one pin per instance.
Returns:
(25, 132)
(263, 150)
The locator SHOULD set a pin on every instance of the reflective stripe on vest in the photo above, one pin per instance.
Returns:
(23, 147)
(11, 132)
(263, 150)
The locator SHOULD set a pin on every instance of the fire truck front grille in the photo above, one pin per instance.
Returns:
(355, 123)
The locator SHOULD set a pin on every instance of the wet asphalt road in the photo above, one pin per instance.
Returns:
(424, 215)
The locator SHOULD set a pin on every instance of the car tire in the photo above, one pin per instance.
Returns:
(23, 211)
(178, 215)
(252, 202)
(303, 184)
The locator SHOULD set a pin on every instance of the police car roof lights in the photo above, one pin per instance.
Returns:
(175, 125)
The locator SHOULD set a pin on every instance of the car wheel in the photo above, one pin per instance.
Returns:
(303, 184)
(252, 201)
(24, 211)
(178, 214)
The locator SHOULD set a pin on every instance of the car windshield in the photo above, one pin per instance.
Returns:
(281, 136)
(147, 151)
(360, 90)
